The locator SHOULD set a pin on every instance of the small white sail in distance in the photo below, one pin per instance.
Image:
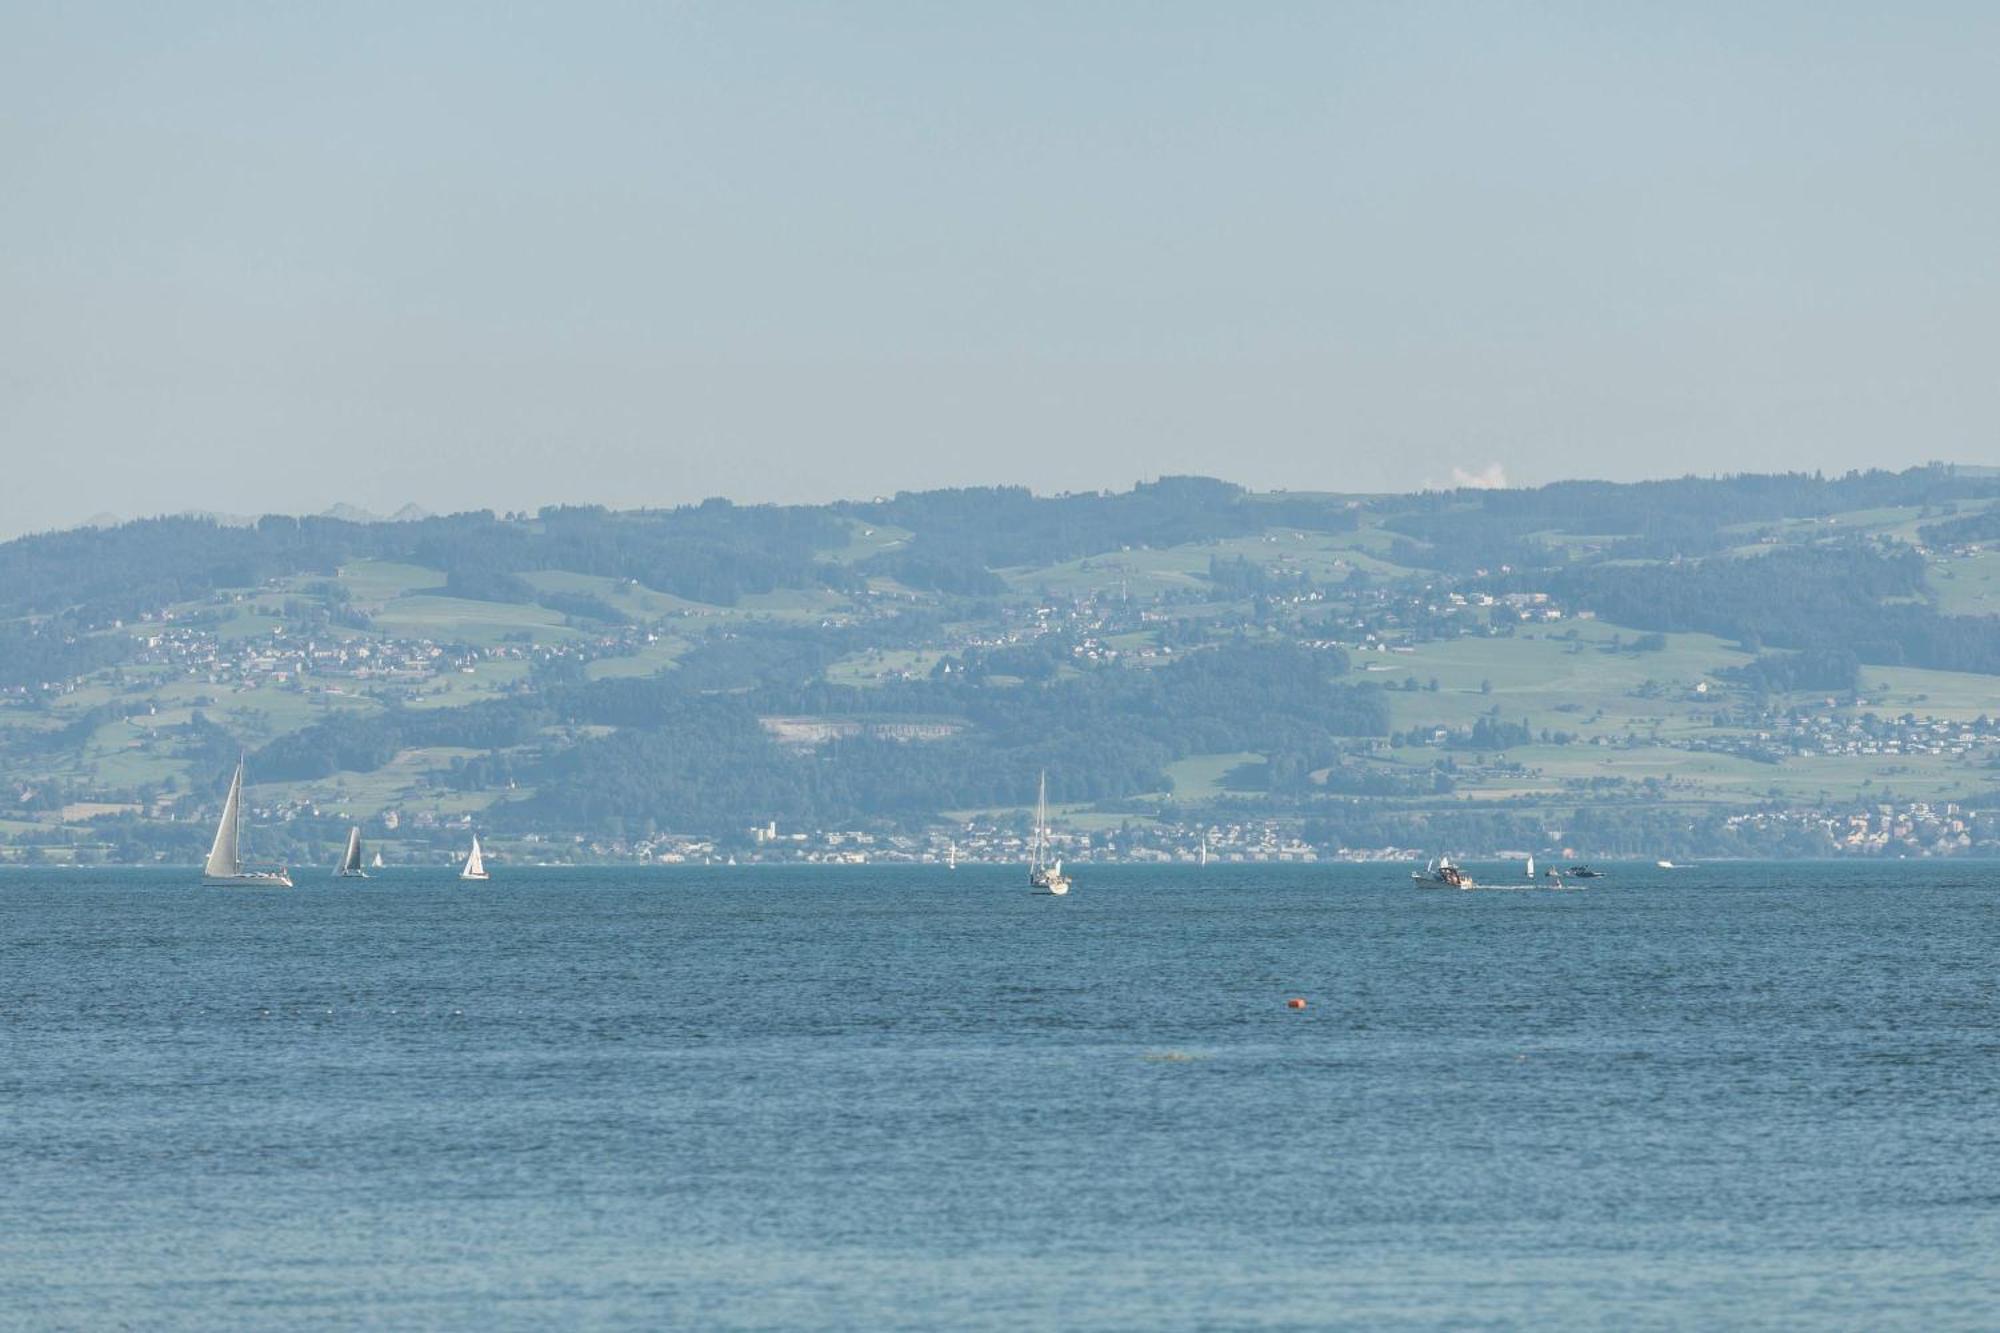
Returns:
(475, 864)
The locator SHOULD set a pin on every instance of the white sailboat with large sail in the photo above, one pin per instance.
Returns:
(376, 864)
(350, 860)
(475, 864)
(225, 857)
(1045, 876)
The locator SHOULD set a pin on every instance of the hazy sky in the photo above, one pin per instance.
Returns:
(262, 257)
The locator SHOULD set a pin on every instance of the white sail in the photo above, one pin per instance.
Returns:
(1531, 867)
(475, 864)
(223, 859)
(376, 864)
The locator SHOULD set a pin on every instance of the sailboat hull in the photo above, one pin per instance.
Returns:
(251, 879)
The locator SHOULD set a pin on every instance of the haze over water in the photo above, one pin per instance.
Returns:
(900, 1098)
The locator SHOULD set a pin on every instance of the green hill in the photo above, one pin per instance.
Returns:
(1708, 666)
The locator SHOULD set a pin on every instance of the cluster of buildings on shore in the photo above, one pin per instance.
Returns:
(979, 842)
(1916, 828)
(1835, 735)
(1909, 829)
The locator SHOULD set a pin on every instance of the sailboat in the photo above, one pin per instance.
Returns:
(225, 856)
(951, 856)
(376, 864)
(1202, 859)
(475, 864)
(1531, 866)
(350, 860)
(1043, 875)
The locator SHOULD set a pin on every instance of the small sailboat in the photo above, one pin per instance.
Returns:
(350, 860)
(1044, 876)
(376, 864)
(475, 864)
(951, 856)
(1201, 857)
(1531, 865)
(225, 855)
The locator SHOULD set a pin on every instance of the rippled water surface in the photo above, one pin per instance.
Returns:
(900, 1098)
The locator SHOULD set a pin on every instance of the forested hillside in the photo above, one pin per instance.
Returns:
(1720, 665)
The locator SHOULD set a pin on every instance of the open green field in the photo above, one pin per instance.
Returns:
(1145, 573)
(650, 660)
(454, 689)
(249, 622)
(125, 754)
(400, 784)
(866, 540)
(880, 665)
(634, 599)
(1957, 695)
(25, 719)
(799, 604)
(1967, 585)
(374, 583)
(1199, 777)
(449, 619)
(1559, 683)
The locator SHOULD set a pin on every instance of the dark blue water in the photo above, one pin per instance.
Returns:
(1743, 1095)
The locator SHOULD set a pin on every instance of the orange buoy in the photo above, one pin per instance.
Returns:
(1295, 1003)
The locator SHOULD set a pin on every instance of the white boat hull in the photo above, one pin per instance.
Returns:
(271, 879)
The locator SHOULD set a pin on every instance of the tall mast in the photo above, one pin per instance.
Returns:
(1041, 819)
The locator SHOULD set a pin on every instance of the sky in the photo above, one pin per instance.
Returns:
(273, 257)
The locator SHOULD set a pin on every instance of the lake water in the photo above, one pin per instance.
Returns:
(899, 1098)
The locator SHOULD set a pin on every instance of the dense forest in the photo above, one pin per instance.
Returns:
(685, 751)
